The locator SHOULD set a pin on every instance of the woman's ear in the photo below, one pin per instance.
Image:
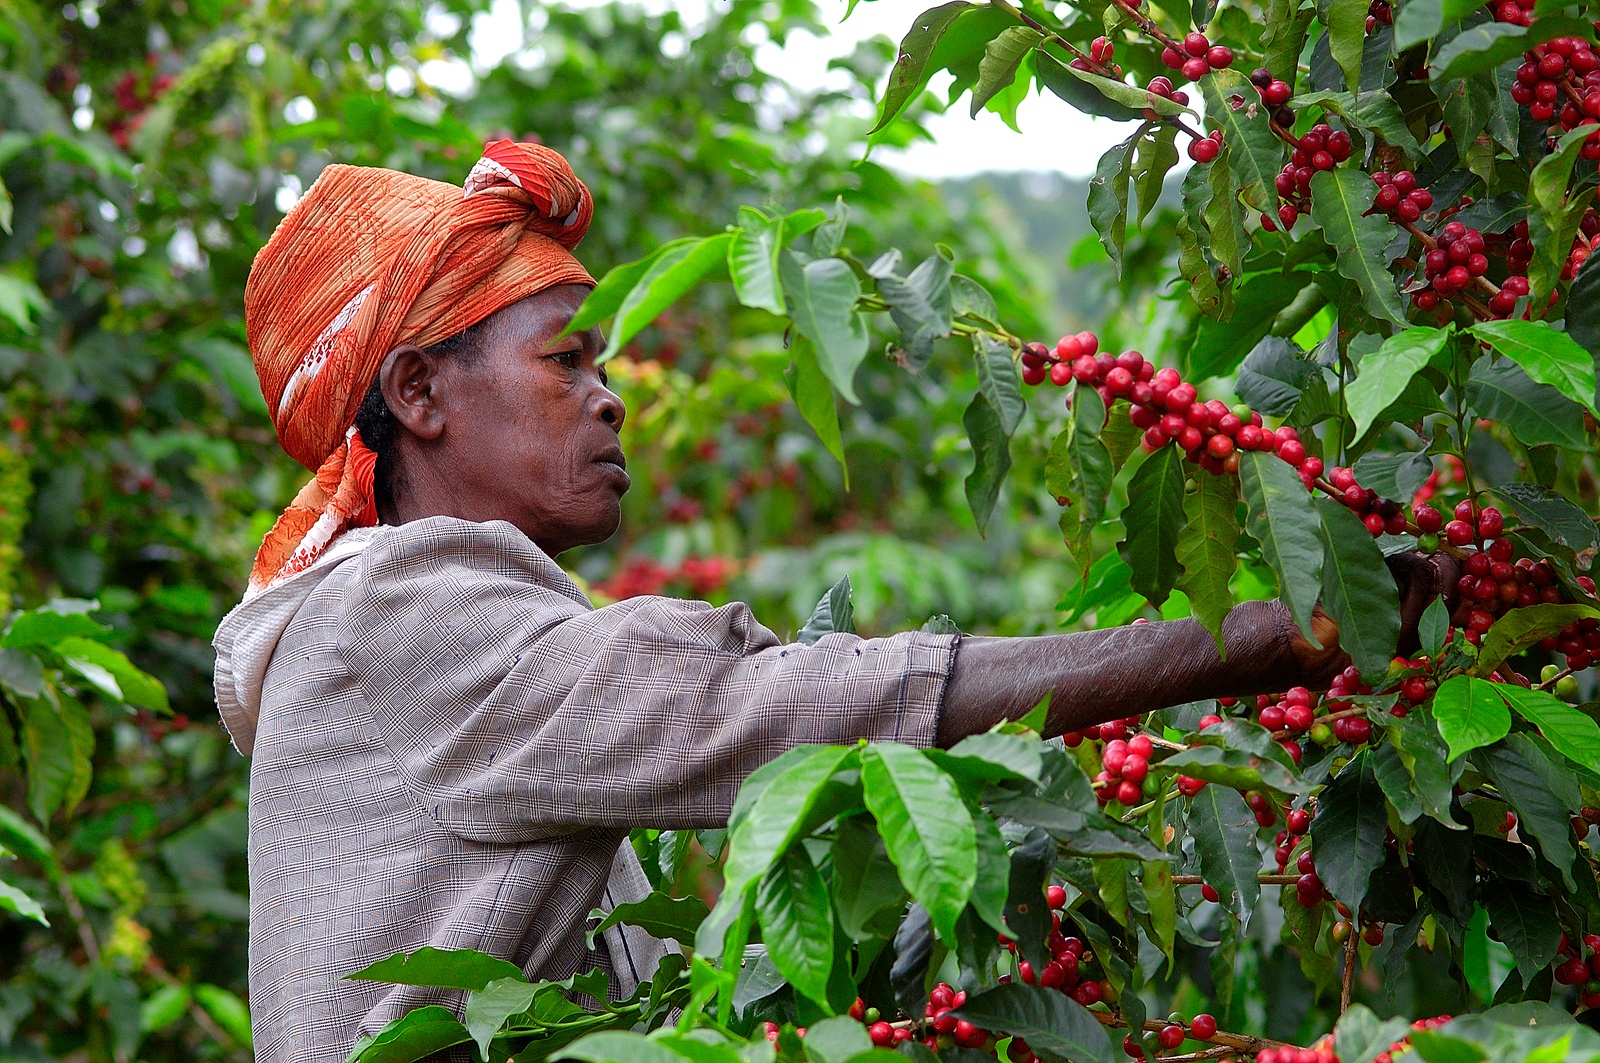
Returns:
(408, 379)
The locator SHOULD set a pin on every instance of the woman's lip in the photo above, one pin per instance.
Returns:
(616, 471)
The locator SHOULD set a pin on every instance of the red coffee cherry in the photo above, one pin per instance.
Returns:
(1203, 1027)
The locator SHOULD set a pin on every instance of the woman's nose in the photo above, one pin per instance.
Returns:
(610, 408)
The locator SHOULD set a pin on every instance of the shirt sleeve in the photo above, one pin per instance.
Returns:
(517, 711)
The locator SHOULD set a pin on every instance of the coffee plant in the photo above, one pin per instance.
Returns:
(1387, 226)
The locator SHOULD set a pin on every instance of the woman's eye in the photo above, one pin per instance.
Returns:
(569, 359)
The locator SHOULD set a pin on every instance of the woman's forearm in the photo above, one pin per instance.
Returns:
(1094, 676)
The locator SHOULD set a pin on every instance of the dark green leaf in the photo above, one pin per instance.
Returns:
(1574, 734)
(1254, 152)
(1001, 57)
(1157, 155)
(48, 748)
(1283, 521)
(998, 380)
(864, 880)
(1078, 470)
(1274, 375)
(1340, 201)
(1374, 111)
(1391, 773)
(1347, 34)
(659, 914)
(1553, 514)
(1385, 372)
(993, 757)
(1027, 915)
(1224, 831)
(1470, 713)
(823, 294)
(990, 888)
(925, 826)
(1536, 414)
(1423, 753)
(1360, 1037)
(1473, 51)
(834, 612)
(1418, 20)
(1395, 476)
(1153, 520)
(444, 968)
(919, 303)
(913, 951)
(489, 1008)
(1434, 626)
(616, 1046)
(797, 922)
(1108, 198)
(1528, 782)
(910, 71)
(1358, 590)
(1583, 306)
(1553, 214)
(1219, 345)
(670, 274)
(1546, 355)
(1082, 96)
(1058, 1029)
(1206, 551)
(1235, 768)
(813, 396)
(1526, 923)
(1518, 629)
(1347, 831)
(991, 458)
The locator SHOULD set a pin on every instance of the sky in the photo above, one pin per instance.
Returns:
(1055, 138)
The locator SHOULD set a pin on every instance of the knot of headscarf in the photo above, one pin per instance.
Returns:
(371, 259)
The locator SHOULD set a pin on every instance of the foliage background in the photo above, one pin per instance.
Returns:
(148, 148)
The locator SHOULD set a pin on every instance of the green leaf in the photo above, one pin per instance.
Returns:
(1385, 372)
(1273, 377)
(1423, 755)
(1347, 831)
(230, 1013)
(1079, 470)
(1127, 95)
(1254, 153)
(773, 819)
(993, 757)
(829, 234)
(48, 748)
(1027, 917)
(1206, 551)
(1153, 520)
(1235, 768)
(112, 673)
(1360, 1037)
(834, 612)
(1283, 521)
(1001, 57)
(1526, 923)
(753, 261)
(163, 1008)
(1529, 783)
(910, 71)
(1418, 20)
(617, 1046)
(1108, 198)
(679, 267)
(926, 828)
(991, 458)
(1573, 734)
(919, 303)
(1218, 345)
(864, 879)
(1340, 200)
(1161, 901)
(13, 899)
(991, 887)
(797, 923)
(813, 396)
(660, 915)
(1224, 832)
(998, 380)
(1475, 50)
(47, 626)
(837, 1040)
(1214, 299)
(489, 1008)
(1434, 627)
(1548, 356)
(444, 968)
(1358, 591)
(823, 294)
(1518, 629)
(1347, 36)
(1536, 414)
(1057, 1028)
(1553, 214)
(1059, 79)
(1560, 519)
(1391, 773)
(1157, 155)
(1583, 306)
(1470, 713)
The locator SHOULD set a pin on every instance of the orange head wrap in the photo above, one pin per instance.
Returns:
(371, 259)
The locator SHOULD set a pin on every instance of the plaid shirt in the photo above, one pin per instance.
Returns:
(450, 745)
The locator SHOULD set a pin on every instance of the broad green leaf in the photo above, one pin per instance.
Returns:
(919, 303)
(98, 662)
(1536, 414)
(1283, 34)
(1161, 901)
(1340, 202)
(993, 757)
(489, 1008)
(23, 838)
(1545, 354)
(823, 294)
(1472, 51)
(834, 611)
(1108, 198)
(230, 1013)
(444, 968)
(1518, 629)
(48, 748)
(925, 826)
(617, 1046)
(1059, 79)
(772, 821)
(1385, 372)
(1156, 156)
(864, 880)
(1057, 1028)
(970, 299)
(1218, 345)
(910, 71)
(990, 888)
(1424, 756)
(80, 732)
(1360, 1037)
(1223, 216)
(163, 1008)
(1224, 831)
(1214, 299)
(46, 627)
(1396, 476)
(829, 235)
(1079, 471)
(797, 922)
(1235, 768)
(1418, 20)
(1153, 521)
(1583, 306)
(1525, 921)
(1574, 734)
(1358, 591)
(837, 1040)
(1127, 95)
(998, 380)
(1552, 513)
(1283, 520)
(1206, 551)
(1347, 831)
(753, 261)
(679, 267)
(1347, 36)
(991, 458)
(1434, 627)
(1255, 154)
(1001, 57)
(1027, 918)
(1552, 212)
(814, 397)
(1391, 773)
(1530, 783)
(660, 915)
(1273, 376)
(15, 900)
(1470, 713)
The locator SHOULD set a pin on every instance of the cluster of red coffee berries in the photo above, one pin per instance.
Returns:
(1516, 12)
(1124, 766)
(1399, 197)
(1575, 970)
(884, 1034)
(1379, 12)
(1403, 1045)
(1578, 642)
(1322, 148)
(1452, 265)
(1202, 1027)
(1197, 56)
(1323, 1053)
(1561, 76)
